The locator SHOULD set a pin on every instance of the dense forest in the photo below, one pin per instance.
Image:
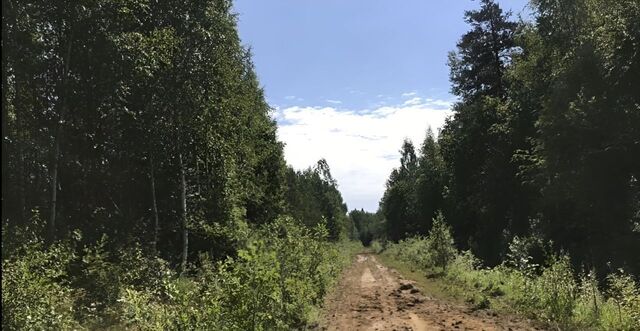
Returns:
(530, 191)
(144, 187)
(544, 141)
(137, 141)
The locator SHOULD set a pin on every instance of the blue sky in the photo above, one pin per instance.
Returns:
(350, 79)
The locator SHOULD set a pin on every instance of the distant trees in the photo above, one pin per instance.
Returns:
(369, 226)
(313, 197)
(544, 138)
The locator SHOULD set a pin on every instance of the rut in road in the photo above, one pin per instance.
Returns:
(370, 296)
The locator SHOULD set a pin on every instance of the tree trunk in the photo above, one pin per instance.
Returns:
(154, 205)
(56, 145)
(185, 230)
(5, 116)
(51, 226)
(19, 139)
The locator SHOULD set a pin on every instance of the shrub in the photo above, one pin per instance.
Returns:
(274, 283)
(622, 311)
(440, 244)
(377, 247)
(36, 294)
(556, 292)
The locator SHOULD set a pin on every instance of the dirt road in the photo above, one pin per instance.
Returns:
(370, 296)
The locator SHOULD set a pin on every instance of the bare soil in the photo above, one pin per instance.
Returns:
(370, 296)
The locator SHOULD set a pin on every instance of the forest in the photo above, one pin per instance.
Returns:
(144, 186)
(538, 167)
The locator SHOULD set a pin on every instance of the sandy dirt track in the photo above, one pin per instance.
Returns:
(369, 296)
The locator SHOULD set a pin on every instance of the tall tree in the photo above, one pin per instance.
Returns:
(429, 180)
(399, 203)
(481, 180)
(584, 156)
(477, 68)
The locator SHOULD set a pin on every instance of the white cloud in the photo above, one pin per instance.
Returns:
(409, 94)
(439, 104)
(290, 97)
(361, 146)
(413, 101)
(337, 102)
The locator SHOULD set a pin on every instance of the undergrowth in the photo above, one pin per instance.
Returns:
(554, 293)
(276, 282)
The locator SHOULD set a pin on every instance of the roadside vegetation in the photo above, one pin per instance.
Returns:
(553, 292)
(277, 281)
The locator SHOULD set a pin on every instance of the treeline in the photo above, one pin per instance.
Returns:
(314, 198)
(369, 226)
(140, 125)
(544, 141)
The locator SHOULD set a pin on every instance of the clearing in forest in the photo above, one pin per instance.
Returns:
(370, 296)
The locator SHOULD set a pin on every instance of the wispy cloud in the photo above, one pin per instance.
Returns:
(293, 98)
(438, 104)
(413, 101)
(409, 94)
(336, 102)
(360, 145)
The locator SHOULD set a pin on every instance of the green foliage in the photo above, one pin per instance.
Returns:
(313, 197)
(526, 254)
(399, 202)
(623, 302)
(544, 133)
(369, 226)
(36, 291)
(275, 283)
(556, 292)
(436, 250)
(550, 293)
(440, 243)
(104, 276)
(377, 246)
(151, 90)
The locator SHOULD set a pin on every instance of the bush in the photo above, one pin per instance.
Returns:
(556, 292)
(275, 283)
(436, 250)
(440, 243)
(622, 310)
(36, 294)
(377, 247)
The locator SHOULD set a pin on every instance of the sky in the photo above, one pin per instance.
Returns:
(349, 80)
